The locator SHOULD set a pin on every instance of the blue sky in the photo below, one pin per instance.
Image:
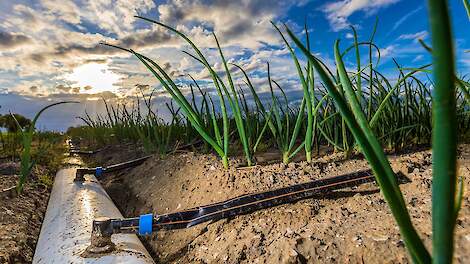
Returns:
(50, 52)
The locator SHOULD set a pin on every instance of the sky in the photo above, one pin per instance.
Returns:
(50, 50)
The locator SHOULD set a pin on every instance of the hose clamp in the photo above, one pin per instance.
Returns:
(145, 224)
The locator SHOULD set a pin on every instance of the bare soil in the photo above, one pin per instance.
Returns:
(20, 216)
(353, 225)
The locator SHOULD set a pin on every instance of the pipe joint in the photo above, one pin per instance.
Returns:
(81, 172)
(101, 236)
(80, 175)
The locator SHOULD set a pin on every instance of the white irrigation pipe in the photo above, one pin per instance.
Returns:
(67, 226)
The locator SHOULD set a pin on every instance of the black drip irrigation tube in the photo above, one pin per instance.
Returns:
(245, 204)
(98, 171)
(104, 228)
(75, 149)
(146, 224)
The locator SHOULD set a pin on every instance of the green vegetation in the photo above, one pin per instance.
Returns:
(444, 139)
(128, 123)
(349, 106)
(47, 149)
(466, 4)
(397, 109)
(8, 122)
(27, 162)
(10, 144)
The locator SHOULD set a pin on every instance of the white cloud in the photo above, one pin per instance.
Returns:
(388, 51)
(338, 12)
(62, 37)
(464, 62)
(412, 52)
(414, 36)
(65, 10)
(243, 23)
(116, 16)
(405, 17)
(418, 58)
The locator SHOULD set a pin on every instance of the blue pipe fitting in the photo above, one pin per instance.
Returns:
(145, 224)
(98, 171)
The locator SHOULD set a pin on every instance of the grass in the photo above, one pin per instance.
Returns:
(10, 144)
(308, 86)
(129, 124)
(27, 163)
(47, 149)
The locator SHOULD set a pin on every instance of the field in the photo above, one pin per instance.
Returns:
(233, 133)
(352, 225)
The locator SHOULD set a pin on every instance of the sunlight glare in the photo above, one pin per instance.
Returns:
(96, 75)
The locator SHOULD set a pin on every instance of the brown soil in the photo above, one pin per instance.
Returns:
(21, 216)
(353, 225)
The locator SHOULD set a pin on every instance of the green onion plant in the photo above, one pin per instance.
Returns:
(395, 105)
(27, 134)
(343, 109)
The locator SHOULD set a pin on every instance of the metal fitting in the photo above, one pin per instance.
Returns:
(80, 175)
(101, 236)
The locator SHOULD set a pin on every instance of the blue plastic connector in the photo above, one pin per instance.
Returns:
(98, 171)
(145, 224)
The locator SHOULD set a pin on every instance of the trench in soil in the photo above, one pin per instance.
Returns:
(352, 225)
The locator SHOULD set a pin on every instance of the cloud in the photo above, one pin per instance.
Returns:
(144, 38)
(464, 63)
(411, 53)
(99, 61)
(59, 47)
(68, 35)
(63, 88)
(64, 10)
(338, 12)
(418, 58)
(414, 36)
(81, 96)
(405, 17)
(139, 40)
(143, 87)
(11, 40)
(56, 39)
(33, 89)
(247, 23)
(388, 51)
(115, 16)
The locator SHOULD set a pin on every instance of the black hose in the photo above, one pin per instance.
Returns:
(240, 205)
(256, 201)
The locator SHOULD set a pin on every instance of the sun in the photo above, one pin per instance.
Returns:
(98, 76)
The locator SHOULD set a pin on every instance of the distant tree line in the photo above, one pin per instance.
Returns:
(8, 122)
